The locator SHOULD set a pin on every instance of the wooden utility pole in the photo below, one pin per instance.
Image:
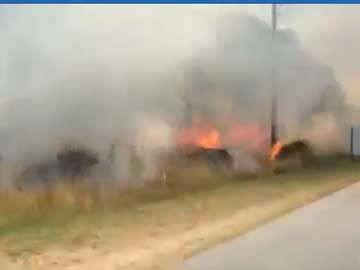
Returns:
(273, 132)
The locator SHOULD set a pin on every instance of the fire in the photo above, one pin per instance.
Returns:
(275, 150)
(206, 137)
(229, 133)
(210, 139)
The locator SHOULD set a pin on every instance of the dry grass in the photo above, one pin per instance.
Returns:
(82, 196)
(70, 212)
(195, 209)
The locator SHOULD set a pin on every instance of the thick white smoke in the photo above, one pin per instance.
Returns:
(238, 68)
(87, 74)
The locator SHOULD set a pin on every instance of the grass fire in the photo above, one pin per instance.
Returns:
(138, 141)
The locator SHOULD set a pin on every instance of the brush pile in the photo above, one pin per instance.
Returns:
(294, 154)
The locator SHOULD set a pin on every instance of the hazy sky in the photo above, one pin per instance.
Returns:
(327, 31)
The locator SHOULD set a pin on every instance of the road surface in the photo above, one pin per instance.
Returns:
(324, 235)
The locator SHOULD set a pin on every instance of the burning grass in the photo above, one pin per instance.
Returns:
(193, 210)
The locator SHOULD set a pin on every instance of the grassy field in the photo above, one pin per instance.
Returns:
(156, 226)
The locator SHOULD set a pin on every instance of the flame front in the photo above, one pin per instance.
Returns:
(230, 133)
(275, 150)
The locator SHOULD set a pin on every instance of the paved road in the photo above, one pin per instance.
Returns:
(324, 235)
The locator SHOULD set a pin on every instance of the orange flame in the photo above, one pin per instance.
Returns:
(200, 136)
(275, 150)
(210, 139)
(252, 137)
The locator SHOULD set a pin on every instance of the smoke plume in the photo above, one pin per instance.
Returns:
(92, 75)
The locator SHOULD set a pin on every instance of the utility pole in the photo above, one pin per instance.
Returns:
(273, 132)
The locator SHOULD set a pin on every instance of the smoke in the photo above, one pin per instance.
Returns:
(155, 139)
(245, 162)
(239, 69)
(90, 75)
(325, 134)
(328, 32)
